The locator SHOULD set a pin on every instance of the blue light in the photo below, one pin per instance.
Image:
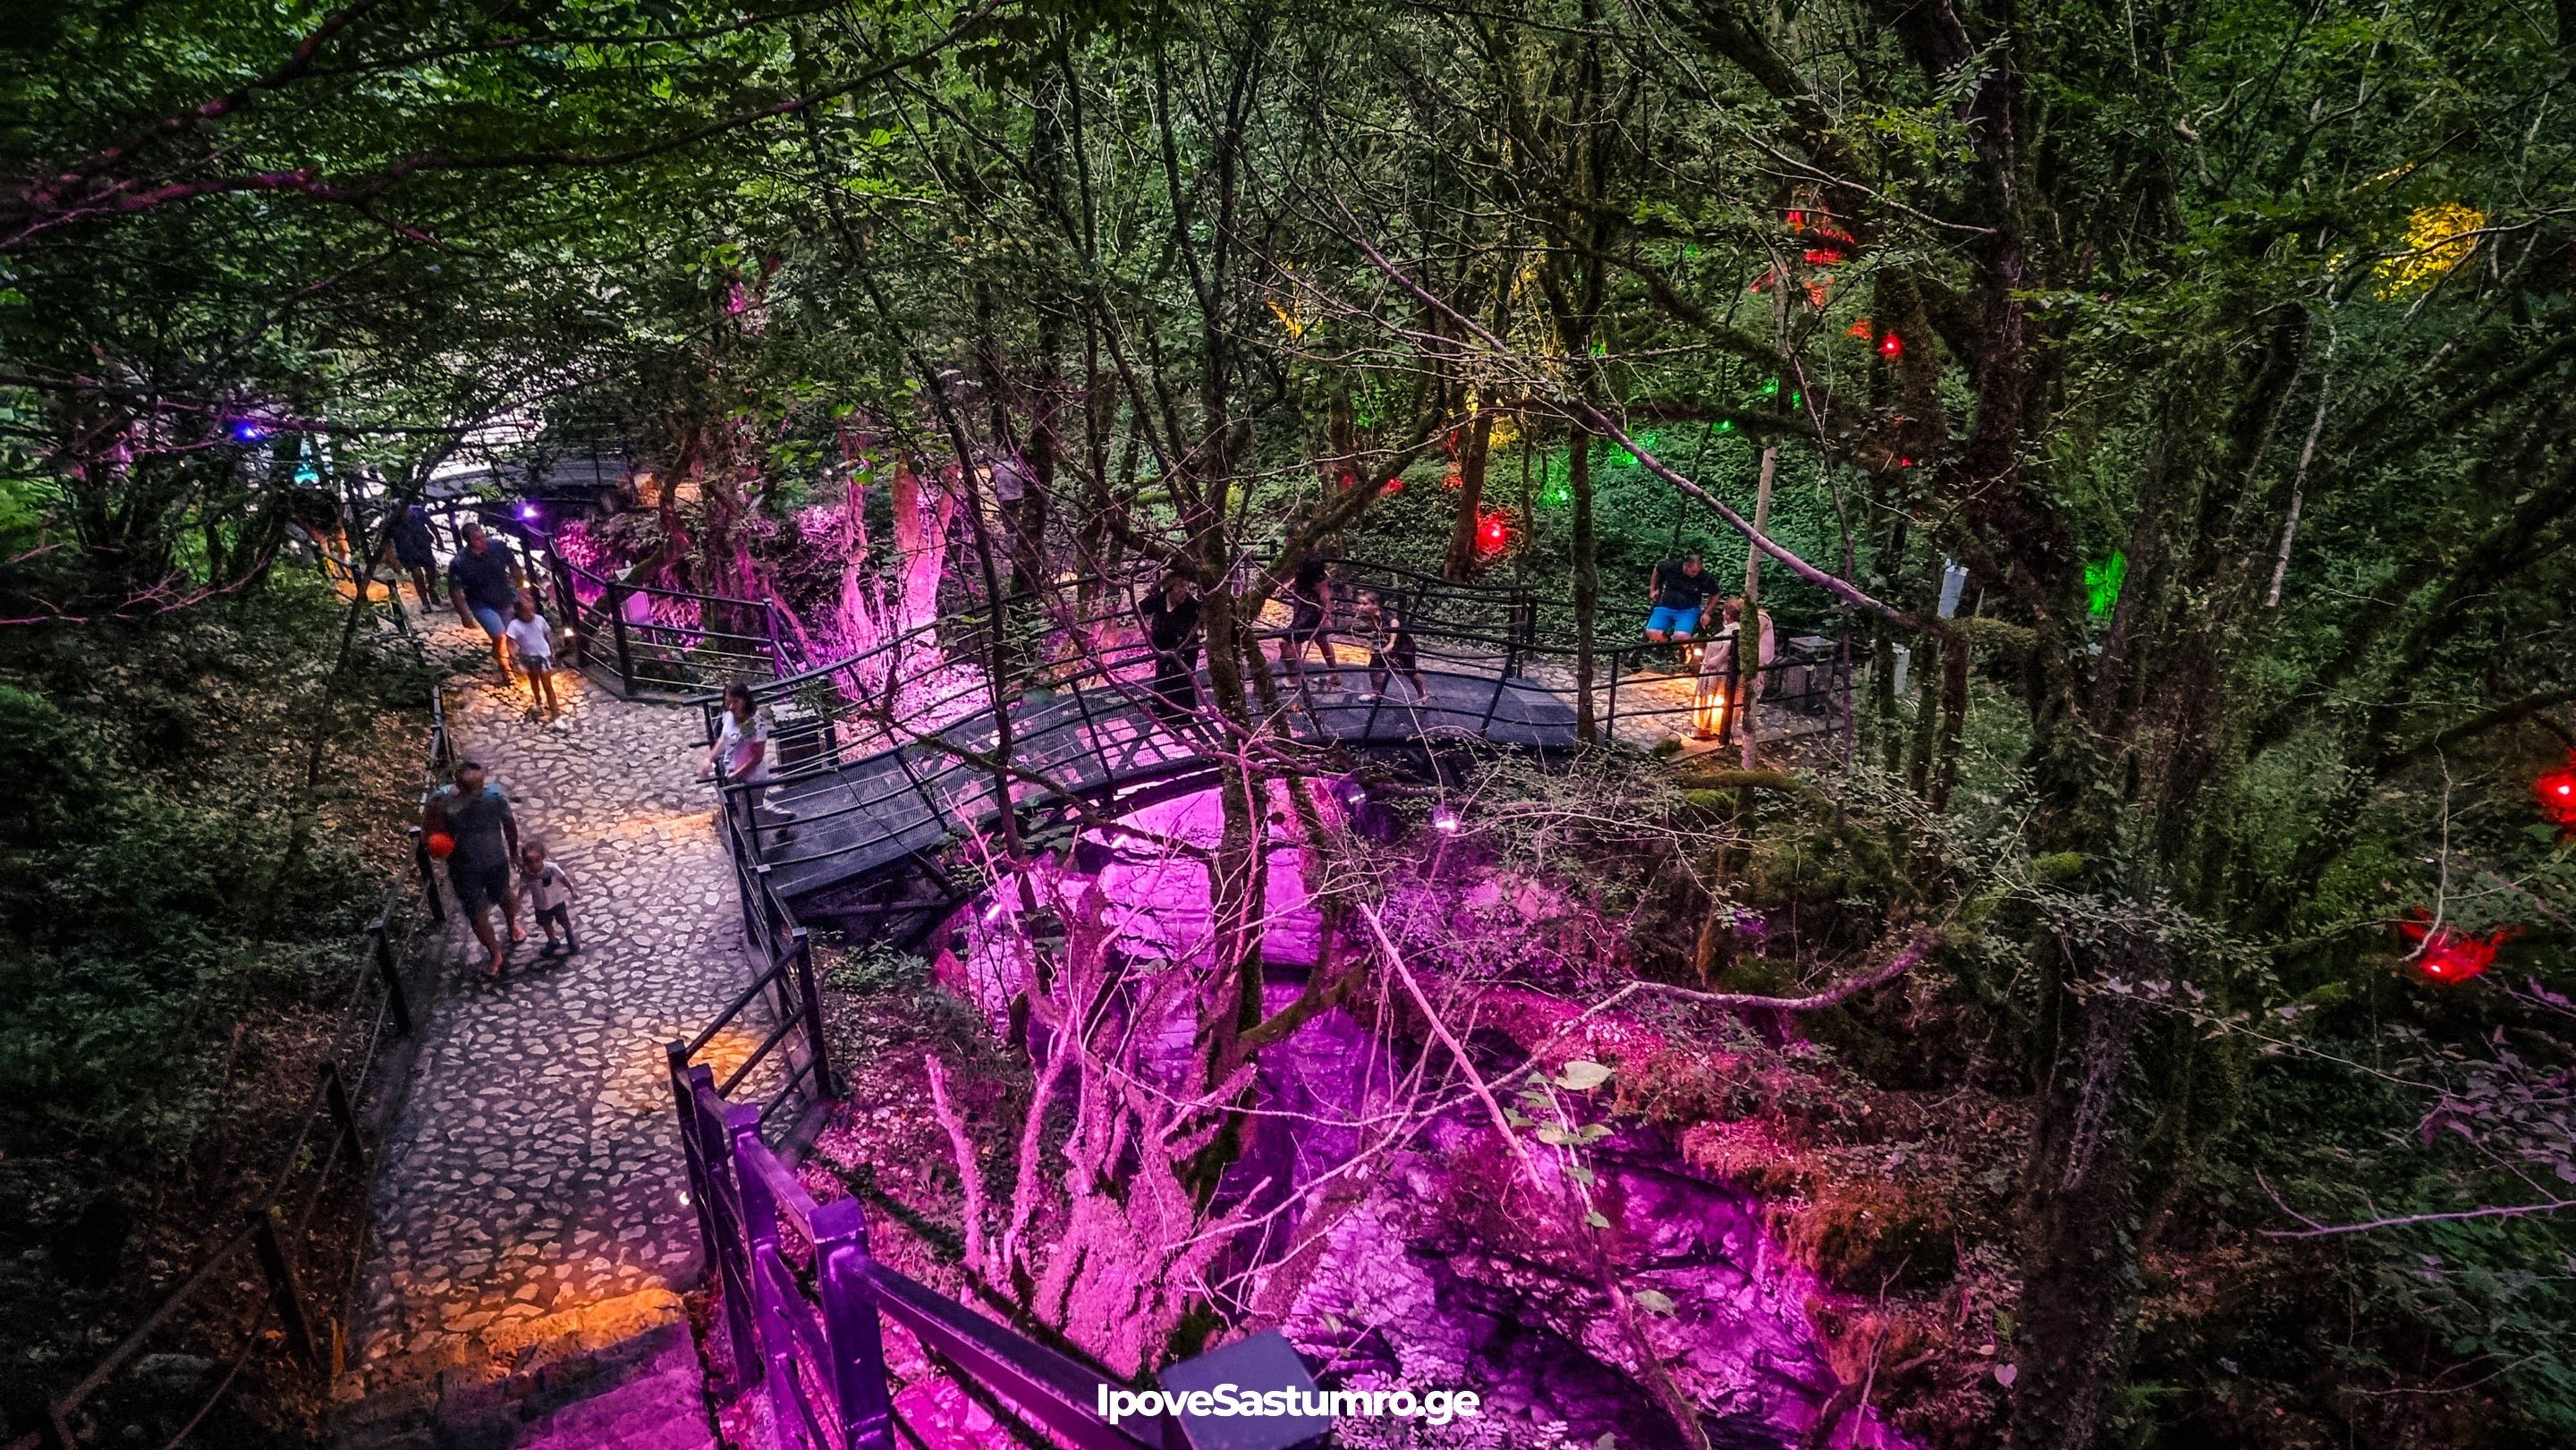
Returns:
(249, 431)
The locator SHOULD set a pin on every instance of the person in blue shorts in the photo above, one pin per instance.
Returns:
(483, 586)
(1680, 590)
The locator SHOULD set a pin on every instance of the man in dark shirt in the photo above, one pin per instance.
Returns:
(476, 816)
(1171, 616)
(415, 551)
(483, 586)
(1680, 591)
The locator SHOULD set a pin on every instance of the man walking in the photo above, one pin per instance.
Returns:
(1171, 616)
(482, 585)
(415, 551)
(480, 867)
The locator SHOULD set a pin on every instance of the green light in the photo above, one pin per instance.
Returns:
(1726, 425)
(1556, 495)
(1770, 387)
(2102, 580)
(1794, 399)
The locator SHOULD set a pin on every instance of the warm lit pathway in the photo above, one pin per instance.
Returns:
(527, 1202)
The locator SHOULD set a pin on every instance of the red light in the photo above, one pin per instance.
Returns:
(1905, 463)
(1453, 479)
(1822, 256)
(2450, 955)
(2557, 792)
(1490, 534)
(1393, 485)
(1797, 221)
(1891, 346)
(1860, 329)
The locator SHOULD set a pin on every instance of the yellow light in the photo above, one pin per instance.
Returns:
(2438, 238)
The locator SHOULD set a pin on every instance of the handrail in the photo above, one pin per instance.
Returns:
(279, 1222)
(817, 1351)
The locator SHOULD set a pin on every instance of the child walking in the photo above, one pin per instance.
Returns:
(549, 894)
(532, 645)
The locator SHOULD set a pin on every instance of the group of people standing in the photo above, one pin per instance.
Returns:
(1170, 613)
(1688, 613)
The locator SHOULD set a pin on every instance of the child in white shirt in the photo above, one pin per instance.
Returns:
(532, 645)
(549, 894)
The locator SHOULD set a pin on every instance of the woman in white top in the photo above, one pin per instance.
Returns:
(532, 645)
(741, 754)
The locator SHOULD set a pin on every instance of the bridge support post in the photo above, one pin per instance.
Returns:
(810, 1002)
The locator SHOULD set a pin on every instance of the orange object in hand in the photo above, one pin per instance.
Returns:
(442, 845)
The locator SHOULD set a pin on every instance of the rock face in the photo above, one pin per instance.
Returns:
(1429, 1280)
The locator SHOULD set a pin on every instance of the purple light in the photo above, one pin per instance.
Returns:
(246, 430)
(527, 510)
(1444, 819)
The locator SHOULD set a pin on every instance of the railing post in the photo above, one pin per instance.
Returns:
(1610, 727)
(850, 1326)
(776, 1347)
(335, 1094)
(722, 1213)
(677, 1054)
(428, 877)
(826, 1087)
(617, 629)
(281, 1282)
(567, 601)
(396, 1004)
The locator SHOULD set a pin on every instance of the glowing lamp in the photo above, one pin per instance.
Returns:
(1444, 819)
(1770, 387)
(2556, 791)
(1490, 534)
(247, 430)
(1891, 346)
(1726, 425)
(2444, 954)
(527, 510)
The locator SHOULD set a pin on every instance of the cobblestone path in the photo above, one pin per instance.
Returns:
(528, 1200)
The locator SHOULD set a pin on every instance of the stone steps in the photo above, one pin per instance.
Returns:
(647, 1392)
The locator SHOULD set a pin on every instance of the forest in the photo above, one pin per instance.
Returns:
(2142, 1014)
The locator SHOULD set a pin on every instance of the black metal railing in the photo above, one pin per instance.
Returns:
(319, 1192)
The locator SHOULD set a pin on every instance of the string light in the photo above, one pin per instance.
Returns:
(2449, 955)
(2557, 792)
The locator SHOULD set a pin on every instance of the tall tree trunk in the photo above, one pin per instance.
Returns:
(1464, 545)
(1587, 581)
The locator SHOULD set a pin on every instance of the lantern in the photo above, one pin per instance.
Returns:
(2446, 954)
(2556, 791)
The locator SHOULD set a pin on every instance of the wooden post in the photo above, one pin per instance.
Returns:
(826, 1087)
(617, 629)
(850, 1326)
(428, 877)
(281, 1283)
(396, 1004)
(335, 1094)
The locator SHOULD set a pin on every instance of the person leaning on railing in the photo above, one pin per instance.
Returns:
(742, 755)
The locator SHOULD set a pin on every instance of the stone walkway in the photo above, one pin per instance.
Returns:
(528, 1201)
